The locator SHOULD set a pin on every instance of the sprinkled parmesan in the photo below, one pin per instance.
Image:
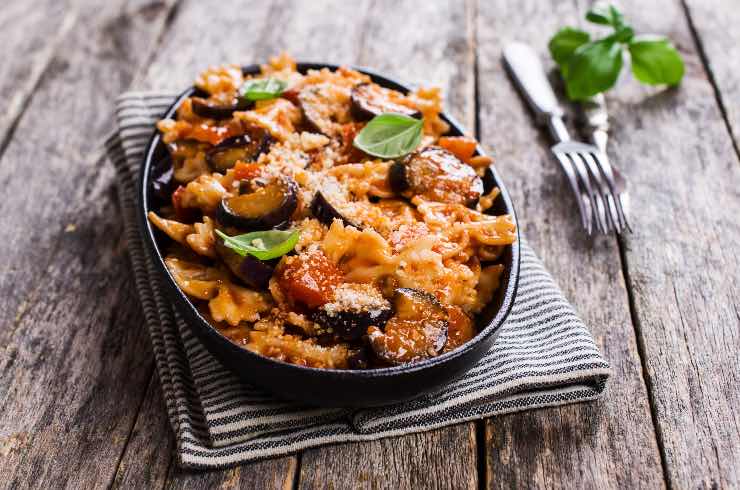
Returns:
(355, 297)
(313, 141)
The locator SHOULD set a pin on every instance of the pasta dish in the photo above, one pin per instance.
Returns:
(324, 220)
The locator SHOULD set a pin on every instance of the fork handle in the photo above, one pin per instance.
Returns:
(595, 120)
(529, 77)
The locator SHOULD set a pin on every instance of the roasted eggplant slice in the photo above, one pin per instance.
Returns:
(437, 175)
(355, 307)
(417, 331)
(266, 207)
(370, 100)
(245, 147)
(213, 110)
(325, 212)
(322, 111)
(251, 271)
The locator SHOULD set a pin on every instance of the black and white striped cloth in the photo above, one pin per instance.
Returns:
(543, 356)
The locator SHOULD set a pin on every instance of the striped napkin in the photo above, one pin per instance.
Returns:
(544, 354)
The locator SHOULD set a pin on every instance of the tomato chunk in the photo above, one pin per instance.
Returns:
(309, 278)
(246, 171)
(462, 147)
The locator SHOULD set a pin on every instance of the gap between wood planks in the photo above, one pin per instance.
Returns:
(642, 353)
(710, 75)
(641, 346)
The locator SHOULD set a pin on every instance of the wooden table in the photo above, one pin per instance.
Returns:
(80, 404)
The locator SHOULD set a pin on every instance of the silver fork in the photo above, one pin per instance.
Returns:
(595, 119)
(586, 167)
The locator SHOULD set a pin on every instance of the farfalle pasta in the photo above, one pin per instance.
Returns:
(301, 244)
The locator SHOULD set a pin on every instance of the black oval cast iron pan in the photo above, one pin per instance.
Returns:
(332, 387)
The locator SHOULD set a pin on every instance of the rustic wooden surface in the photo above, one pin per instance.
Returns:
(80, 404)
(607, 444)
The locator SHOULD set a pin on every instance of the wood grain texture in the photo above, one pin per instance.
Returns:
(609, 443)
(443, 458)
(31, 32)
(151, 442)
(682, 260)
(75, 359)
(715, 24)
(277, 473)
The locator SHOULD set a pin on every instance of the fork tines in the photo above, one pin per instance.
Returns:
(591, 178)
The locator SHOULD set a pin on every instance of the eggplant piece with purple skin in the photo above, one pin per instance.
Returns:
(325, 212)
(268, 206)
(251, 271)
(211, 110)
(417, 331)
(370, 100)
(320, 110)
(355, 308)
(436, 175)
(245, 147)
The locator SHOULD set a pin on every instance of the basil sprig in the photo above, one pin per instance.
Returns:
(390, 135)
(264, 245)
(591, 66)
(263, 88)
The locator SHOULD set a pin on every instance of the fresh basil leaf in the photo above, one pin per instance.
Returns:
(655, 61)
(263, 88)
(599, 16)
(593, 68)
(390, 135)
(264, 245)
(608, 16)
(624, 34)
(565, 41)
(617, 19)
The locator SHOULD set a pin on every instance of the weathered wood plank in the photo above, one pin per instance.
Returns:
(443, 458)
(609, 443)
(268, 474)
(682, 260)
(151, 441)
(149, 460)
(715, 24)
(30, 33)
(74, 361)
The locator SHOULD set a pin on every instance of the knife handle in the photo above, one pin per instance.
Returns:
(529, 77)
